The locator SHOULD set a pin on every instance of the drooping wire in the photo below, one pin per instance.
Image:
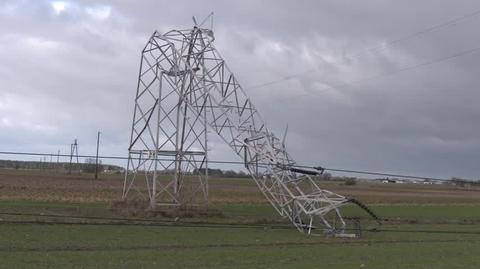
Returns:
(313, 169)
(387, 44)
(96, 220)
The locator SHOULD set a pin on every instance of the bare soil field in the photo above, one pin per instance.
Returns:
(50, 186)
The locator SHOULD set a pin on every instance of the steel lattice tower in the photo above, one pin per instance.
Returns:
(184, 85)
(73, 154)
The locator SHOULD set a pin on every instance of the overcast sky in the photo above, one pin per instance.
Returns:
(69, 68)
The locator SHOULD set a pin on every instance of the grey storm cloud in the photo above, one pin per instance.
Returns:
(69, 68)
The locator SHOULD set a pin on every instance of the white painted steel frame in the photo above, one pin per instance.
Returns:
(185, 63)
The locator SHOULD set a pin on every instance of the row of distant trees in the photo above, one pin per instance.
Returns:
(87, 167)
(463, 183)
(223, 173)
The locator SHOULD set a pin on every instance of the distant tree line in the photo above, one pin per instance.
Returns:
(463, 182)
(222, 173)
(87, 167)
(211, 172)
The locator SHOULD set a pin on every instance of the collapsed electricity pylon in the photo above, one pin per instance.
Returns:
(184, 85)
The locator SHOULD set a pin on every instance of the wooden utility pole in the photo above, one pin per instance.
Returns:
(96, 156)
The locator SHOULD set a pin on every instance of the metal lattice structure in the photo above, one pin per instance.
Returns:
(184, 86)
(73, 156)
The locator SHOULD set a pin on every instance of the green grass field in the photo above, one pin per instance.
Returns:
(50, 233)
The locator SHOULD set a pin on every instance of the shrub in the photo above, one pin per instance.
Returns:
(350, 181)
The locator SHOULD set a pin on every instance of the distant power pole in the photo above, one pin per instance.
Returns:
(58, 160)
(73, 152)
(96, 157)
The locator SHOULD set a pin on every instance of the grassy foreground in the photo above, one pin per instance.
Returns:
(74, 246)
(60, 222)
(448, 237)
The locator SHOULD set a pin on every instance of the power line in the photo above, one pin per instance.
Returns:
(387, 44)
(315, 168)
(190, 224)
(408, 68)
(405, 68)
(383, 174)
(401, 70)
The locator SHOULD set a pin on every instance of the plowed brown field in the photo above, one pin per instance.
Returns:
(50, 186)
